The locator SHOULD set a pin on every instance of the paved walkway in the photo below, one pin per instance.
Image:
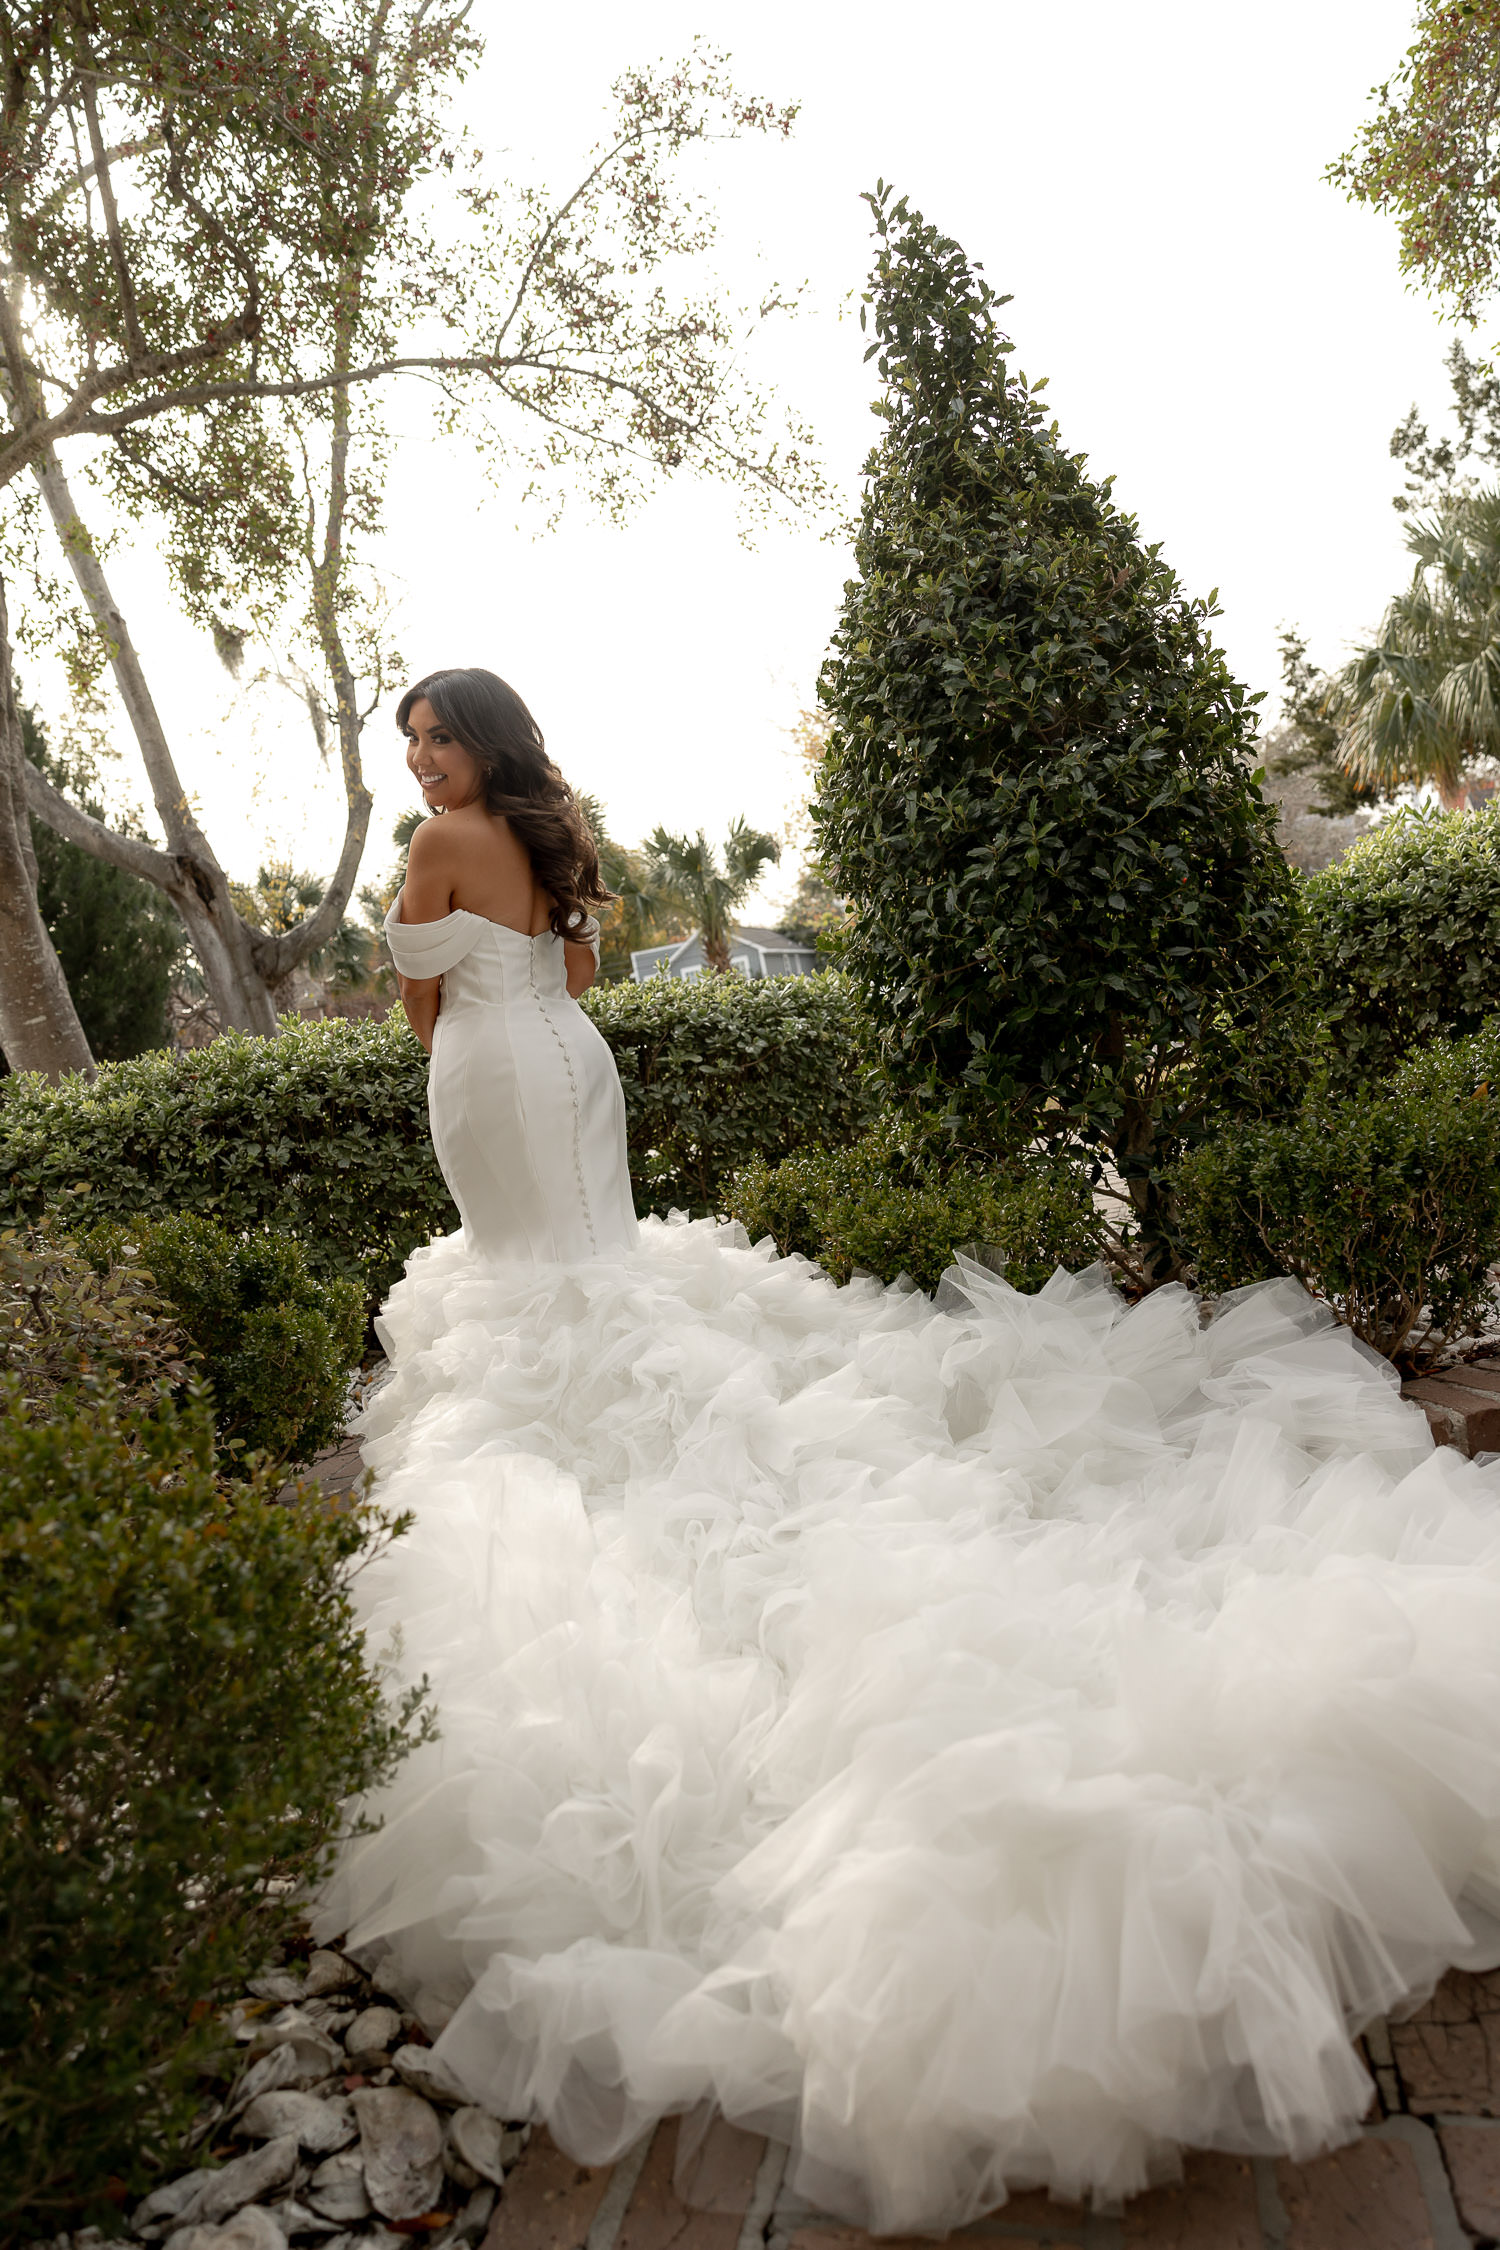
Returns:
(1424, 2176)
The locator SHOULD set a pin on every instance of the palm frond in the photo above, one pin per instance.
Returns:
(1423, 700)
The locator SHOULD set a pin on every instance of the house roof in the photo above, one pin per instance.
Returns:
(774, 941)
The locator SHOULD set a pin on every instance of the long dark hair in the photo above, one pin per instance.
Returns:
(490, 721)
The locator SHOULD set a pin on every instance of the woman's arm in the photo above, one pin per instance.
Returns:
(581, 965)
(421, 997)
(425, 896)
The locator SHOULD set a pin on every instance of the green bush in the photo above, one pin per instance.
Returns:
(717, 1070)
(322, 1133)
(184, 1710)
(276, 1345)
(1403, 936)
(881, 1208)
(1384, 1202)
(71, 1321)
(1035, 790)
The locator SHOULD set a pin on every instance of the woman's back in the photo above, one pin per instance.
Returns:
(472, 859)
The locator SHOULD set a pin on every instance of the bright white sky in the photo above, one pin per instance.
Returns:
(1220, 328)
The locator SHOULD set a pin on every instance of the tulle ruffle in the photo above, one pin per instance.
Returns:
(987, 1744)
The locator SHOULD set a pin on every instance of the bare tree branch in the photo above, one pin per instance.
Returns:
(75, 826)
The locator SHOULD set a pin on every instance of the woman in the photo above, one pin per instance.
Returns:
(493, 943)
(989, 1744)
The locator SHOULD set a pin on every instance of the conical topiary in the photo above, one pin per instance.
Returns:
(1036, 793)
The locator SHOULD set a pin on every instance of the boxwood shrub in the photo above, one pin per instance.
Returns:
(322, 1133)
(1384, 1201)
(1403, 936)
(275, 1344)
(886, 1208)
(185, 1708)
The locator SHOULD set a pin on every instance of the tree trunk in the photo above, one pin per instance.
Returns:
(1137, 1160)
(283, 953)
(224, 946)
(39, 1026)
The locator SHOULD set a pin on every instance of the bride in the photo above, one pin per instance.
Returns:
(988, 1743)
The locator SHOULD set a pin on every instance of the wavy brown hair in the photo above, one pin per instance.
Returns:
(487, 717)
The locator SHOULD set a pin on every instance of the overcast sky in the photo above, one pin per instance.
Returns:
(1221, 331)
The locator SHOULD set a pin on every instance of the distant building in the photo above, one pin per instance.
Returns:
(754, 953)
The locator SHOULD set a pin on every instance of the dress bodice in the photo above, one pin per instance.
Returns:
(483, 962)
(528, 1116)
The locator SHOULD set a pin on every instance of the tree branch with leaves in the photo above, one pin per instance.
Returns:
(245, 419)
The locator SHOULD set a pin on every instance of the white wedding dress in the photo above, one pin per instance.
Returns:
(986, 1743)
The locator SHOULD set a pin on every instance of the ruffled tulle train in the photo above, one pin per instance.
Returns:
(987, 1744)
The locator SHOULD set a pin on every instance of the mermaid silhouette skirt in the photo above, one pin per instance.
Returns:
(989, 1744)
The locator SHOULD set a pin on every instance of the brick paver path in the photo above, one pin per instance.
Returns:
(1424, 2176)
(337, 1469)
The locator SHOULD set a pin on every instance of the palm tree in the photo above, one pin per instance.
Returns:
(1424, 701)
(642, 912)
(689, 869)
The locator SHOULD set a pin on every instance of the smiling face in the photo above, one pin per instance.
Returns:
(447, 773)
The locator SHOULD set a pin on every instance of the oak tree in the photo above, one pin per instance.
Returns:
(216, 257)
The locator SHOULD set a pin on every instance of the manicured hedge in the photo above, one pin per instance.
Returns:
(1403, 936)
(323, 1132)
(717, 1070)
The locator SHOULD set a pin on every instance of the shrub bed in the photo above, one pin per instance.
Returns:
(1403, 936)
(322, 1133)
(881, 1207)
(184, 1709)
(276, 1345)
(1384, 1202)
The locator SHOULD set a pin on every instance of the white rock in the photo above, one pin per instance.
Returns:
(368, 2238)
(420, 2068)
(250, 2229)
(337, 2189)
(329, 1972)
(297, 2218)
(330, 2016)
(244, 2180)
(164, 2203)
(273, 2071)
(401, 2141)
(317, 2055)
(374, 2031)
(276, 1984)
(320, 2126)
(478, 2141)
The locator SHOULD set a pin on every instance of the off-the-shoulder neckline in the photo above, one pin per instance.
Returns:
(467, 914)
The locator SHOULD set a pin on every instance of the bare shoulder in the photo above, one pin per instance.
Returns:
(430, 845)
